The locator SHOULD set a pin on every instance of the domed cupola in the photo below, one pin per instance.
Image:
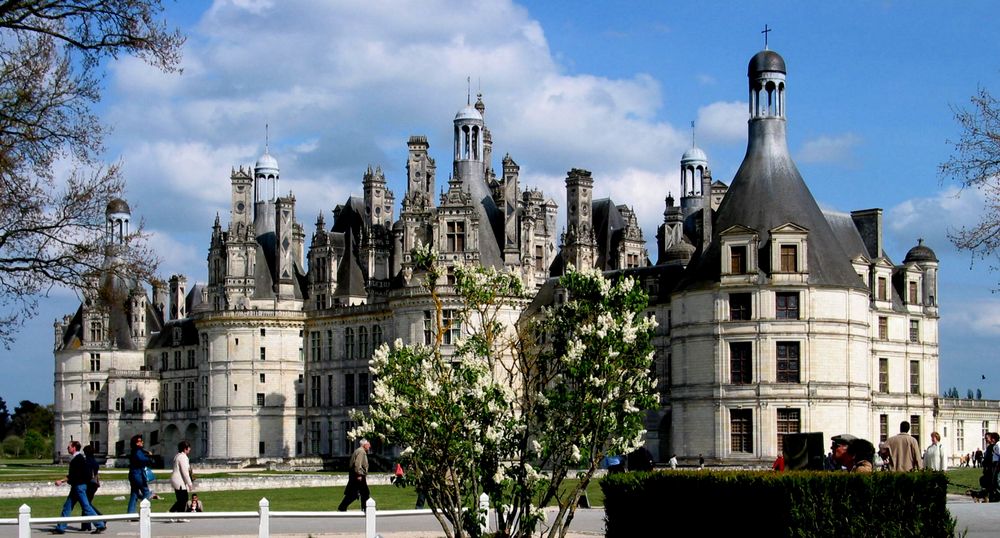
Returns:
(766, 74)
(920, 253)
(468, 134)
(265, 174)
(117, 217)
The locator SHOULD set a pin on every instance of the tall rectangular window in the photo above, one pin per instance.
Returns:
(314, 346)
(452, 324)
(95, 406)
(883, 294)
(883, 375)
(190, 395)
(348, 343)
(789, 258)
(455, 236)
(788, 362)
(263, 353)
(883, 428)
(786, 305)
(363, 388)
(95, 428)
(314, 438)
(95, 362)
(739, 306)
(915, 427)
(177, 395)
(177, 360)
(191, 358)
(428, 327)
(363, 352)
(738, 257)
(913, 292)
(329, 390)
(314, 390)
(741, 430)
(349, 389)
(914, 377)
(261, 448)
(914, 330)
(260, 399)
(960, 436)
(788, 422)
(539, 258)
(329, 345)
(740, 362)
(883, 328)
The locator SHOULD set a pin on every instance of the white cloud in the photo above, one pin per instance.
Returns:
(342, 85)
(975, 317)
(724, 121)
(933, 217)
(830, 149)
(176, 257)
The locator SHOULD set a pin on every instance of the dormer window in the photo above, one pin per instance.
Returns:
(913, 292)
(789, 258)
(455, 237)
(738, 259)
(882, 289)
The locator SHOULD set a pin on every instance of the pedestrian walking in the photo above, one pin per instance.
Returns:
(95, 481)
(934, 455)
(138, 462)
(78, 478)
(357, 480)
(180, 478)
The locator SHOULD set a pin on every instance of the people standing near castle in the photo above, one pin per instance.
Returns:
(138, 461)
(94, 483)
(934, 455)
(857, 456)
(977, 458)
(357, 480)
(78, 477)
(180, 478)
(991, 467)
(673, 462)
(904, 450)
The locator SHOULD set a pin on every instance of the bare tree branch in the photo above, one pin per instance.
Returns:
(52, 229)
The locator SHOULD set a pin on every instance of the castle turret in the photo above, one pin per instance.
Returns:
(579, 243)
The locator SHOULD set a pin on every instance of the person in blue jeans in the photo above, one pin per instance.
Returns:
(78, 478)
(138, 460)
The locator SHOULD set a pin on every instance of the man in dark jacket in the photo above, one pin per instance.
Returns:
(79, 476)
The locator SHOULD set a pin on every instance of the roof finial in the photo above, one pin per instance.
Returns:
(765, 31)
(692, 134)
(468, 90)
(267, 139)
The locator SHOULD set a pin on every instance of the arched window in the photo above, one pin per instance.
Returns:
(119, 404)
(362, 342)
(348, 343)
(376, 336)
(154, 405)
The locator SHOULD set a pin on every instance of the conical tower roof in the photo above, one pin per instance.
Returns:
(766, 192)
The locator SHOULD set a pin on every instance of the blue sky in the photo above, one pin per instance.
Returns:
(608, 86)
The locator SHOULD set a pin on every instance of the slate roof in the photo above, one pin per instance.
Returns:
(766, 192)
(490, 223)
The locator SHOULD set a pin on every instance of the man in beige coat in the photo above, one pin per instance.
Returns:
(904, 451)
(357, 478)
(180, 478)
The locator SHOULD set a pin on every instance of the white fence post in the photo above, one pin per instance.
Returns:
(484, 513)
(24, 521)
(265, 518)
(144, 527)
(370, 518)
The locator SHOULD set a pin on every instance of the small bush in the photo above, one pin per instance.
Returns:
(793, 504)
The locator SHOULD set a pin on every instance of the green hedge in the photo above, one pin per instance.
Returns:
(792, 504)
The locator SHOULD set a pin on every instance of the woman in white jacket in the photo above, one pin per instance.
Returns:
(181, 479)
(934, 455)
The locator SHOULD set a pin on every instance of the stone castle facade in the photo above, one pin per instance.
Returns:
(774, 316)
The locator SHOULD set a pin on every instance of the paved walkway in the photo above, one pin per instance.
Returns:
(977, 520)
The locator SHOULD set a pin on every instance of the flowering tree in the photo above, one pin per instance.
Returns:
(517, 405)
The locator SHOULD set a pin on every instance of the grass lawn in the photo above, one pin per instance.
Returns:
(963, 479)
(285, 499)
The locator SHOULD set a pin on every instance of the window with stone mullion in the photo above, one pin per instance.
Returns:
(788, 362)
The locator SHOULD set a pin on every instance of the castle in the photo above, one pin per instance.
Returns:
(775, 317)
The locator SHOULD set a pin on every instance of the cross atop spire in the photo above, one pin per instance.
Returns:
(267, 139)
(468, 90)
(766, 31)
